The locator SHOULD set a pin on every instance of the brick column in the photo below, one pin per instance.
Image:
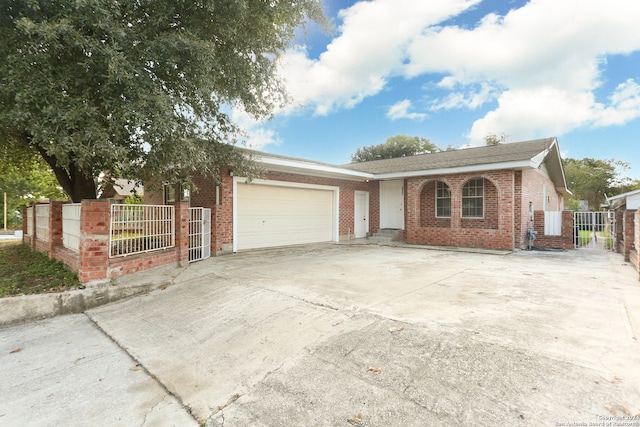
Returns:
(94, 244)
(55, 227)
(628, 228)
(619, 220)
(182, 232)
(412, 210)
(456, 206)
(33, 225)
(567, 230)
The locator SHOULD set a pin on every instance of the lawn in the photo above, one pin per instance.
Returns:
(24, 271)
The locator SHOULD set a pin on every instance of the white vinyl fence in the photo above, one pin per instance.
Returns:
(553, 223)
(42, 222)
(71, 226)
(141, 228)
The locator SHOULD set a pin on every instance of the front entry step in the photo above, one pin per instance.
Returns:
(387, 236)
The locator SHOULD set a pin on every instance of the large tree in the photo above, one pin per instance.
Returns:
(590, 179)
(107, 86)
(395, 146)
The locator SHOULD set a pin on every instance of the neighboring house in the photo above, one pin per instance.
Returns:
(121, 189)
(481, 197)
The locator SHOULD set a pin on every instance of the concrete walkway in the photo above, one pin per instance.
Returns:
(370, 336)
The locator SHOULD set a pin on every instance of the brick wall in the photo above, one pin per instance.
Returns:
(504, 225)
(346, 220)
(92, 262)
(628, 233)
(494, 231)
(565, 241)
(222, 213)
(634, 252)
(531, 189)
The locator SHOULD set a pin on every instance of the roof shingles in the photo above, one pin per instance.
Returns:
(495, 154)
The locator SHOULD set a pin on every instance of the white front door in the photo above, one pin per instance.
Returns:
(392, 204)
(361, 214)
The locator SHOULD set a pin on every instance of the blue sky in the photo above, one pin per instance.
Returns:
(454, 71)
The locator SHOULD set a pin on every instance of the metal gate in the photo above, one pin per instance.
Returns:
(594, 230)
(199, 234)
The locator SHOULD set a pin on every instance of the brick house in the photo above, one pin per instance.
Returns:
(481, 197)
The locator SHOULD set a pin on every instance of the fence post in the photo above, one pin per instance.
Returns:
(34, 233)
(182, 232)
(94, 240)
(24, 225)
(55, 227)
(567, 229)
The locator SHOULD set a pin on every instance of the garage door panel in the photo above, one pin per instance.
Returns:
(271, 215)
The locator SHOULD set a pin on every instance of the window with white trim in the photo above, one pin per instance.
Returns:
(473, 199)
(443, 200)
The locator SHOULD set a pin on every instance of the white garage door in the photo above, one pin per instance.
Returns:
(270, 215)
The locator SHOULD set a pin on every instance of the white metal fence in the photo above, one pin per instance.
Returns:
(199, 234)
(595, 230)
(141, 228)
(71, 226)
(42, 222)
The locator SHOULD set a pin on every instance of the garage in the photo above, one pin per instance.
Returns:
(277, 213)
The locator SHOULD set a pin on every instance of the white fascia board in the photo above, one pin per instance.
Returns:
(314, 167)
(624, 195)
(539, 158)
(462, 169)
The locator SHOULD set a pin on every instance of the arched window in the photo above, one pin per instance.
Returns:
(473, 199)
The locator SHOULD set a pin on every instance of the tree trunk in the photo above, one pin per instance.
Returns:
(75, 183)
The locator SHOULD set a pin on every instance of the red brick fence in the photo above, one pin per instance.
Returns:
(85, 243)
(629, 237)
(94, 240)
(564, 239)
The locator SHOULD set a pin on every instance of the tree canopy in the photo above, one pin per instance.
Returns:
(141, 88)
(590, 179)
(493, 139)
(395, 146)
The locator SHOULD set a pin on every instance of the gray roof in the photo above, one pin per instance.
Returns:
(494, 155)
(515, 155)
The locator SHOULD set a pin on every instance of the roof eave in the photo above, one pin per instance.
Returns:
(297, 166)
(551, 156)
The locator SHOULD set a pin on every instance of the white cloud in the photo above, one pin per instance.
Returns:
(472, 99)
(370, 48)
(400, 110)
(624, 106)
(541, 62)
(534, 113)
(543, 59)
(256, 134)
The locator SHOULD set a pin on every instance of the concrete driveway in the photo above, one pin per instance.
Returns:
(377, 336)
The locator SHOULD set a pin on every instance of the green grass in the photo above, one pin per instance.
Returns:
(25, 271)
(585, 237)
